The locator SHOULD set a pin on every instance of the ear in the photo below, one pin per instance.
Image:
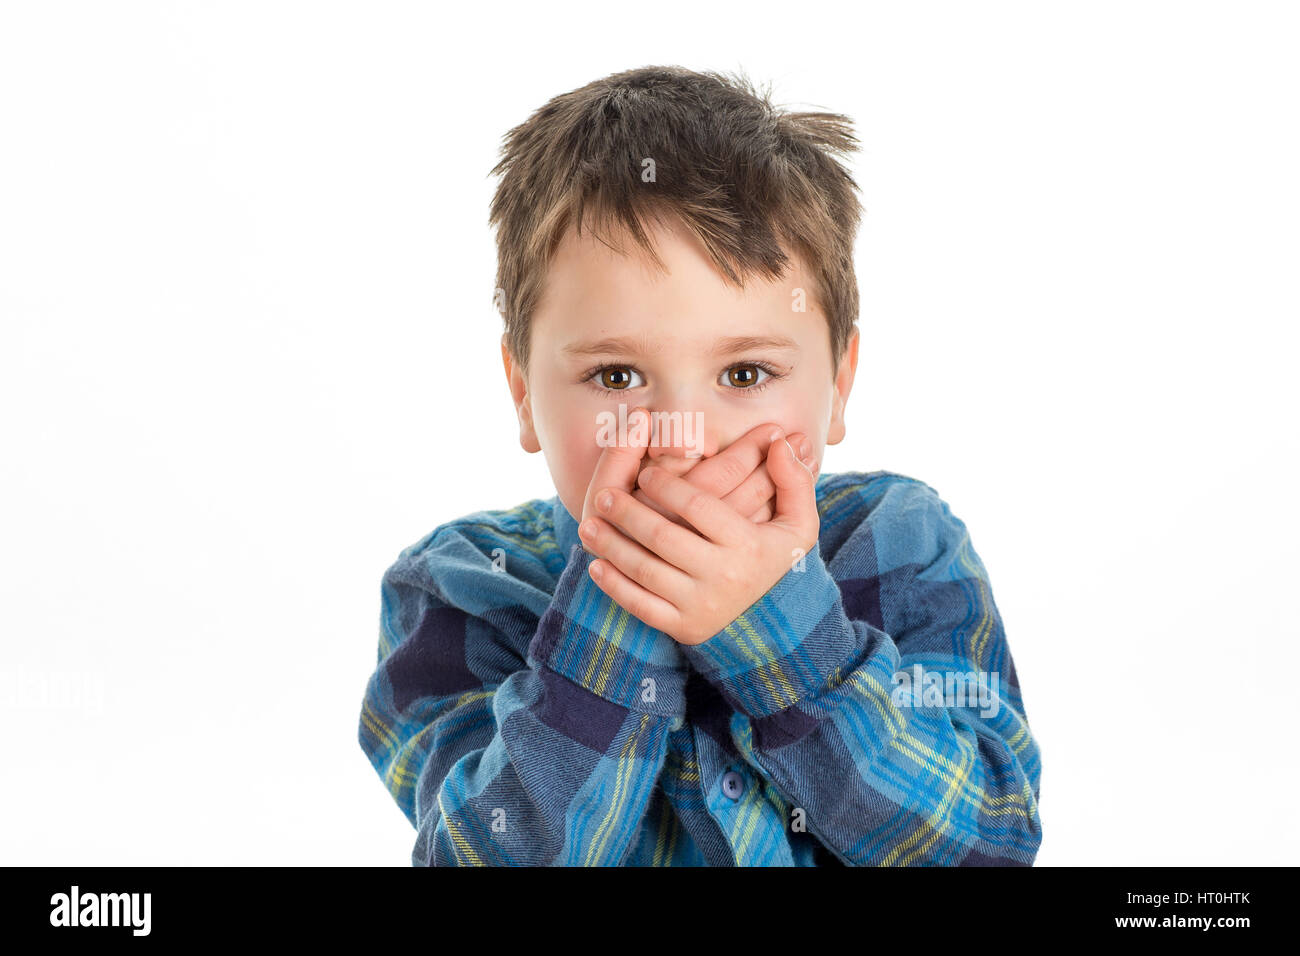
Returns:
(523, 401)
(843, 385)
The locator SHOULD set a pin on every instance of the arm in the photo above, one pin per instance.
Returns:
(885, 777)
(509, 739)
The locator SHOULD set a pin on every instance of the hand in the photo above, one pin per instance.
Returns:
(738, 474)
(617, 467)
(691, 585)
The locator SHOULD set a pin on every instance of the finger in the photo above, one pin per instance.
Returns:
(636, 600)
(755, 490)
(796, 496)
(618, 465)
(710, 516)
(680, 547)
(753, 493)
(727, 470)
(759, 487)
(644, 567)
(645, 499)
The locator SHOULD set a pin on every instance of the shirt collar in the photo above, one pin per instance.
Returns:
(566, 528)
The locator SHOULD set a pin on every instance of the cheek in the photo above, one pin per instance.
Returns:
(795, 412)
(807, 416)
(580, 453)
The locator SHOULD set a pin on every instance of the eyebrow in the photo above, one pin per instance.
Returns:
(730, 346)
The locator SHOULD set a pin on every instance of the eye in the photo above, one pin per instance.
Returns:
(748, 380)
(612, 378)
(748, 377)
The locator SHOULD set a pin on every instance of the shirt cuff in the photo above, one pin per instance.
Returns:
(587, 637)
(786, 647)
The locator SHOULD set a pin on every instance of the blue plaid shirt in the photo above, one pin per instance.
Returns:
(865, 711)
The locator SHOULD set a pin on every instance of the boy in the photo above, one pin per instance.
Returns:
(737, 661)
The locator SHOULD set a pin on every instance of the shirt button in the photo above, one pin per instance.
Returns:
(733, 784)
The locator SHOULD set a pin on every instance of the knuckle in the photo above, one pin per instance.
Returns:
(730, 471)
(640, 608)
(697, 505)
(661, 534)
(643, 572)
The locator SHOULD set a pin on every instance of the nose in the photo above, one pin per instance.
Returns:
(679, 440)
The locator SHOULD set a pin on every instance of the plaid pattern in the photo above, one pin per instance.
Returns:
(519, 716)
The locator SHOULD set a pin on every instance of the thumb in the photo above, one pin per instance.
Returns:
(620, 463)
(796, 495)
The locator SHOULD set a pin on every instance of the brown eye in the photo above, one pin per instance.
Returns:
(743, 376)
(613, 378)
(616, 378)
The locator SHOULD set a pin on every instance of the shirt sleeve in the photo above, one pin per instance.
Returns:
(509, 739)
(882, 702)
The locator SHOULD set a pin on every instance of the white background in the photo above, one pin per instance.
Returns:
(249, 354)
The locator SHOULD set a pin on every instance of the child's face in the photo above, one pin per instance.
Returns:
(673, 322)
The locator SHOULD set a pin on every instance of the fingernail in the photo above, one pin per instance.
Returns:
(805, 447)
(775, 435)
(588, 529)
(604, 500)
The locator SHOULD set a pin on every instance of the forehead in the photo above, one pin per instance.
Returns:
(596, 289)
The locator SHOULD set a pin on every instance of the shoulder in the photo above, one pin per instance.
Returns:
(904, 519)
(871, 487)
(525, 526)
(459, 554)
(854, 497)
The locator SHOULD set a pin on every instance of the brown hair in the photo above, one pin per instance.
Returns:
(749, 180)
